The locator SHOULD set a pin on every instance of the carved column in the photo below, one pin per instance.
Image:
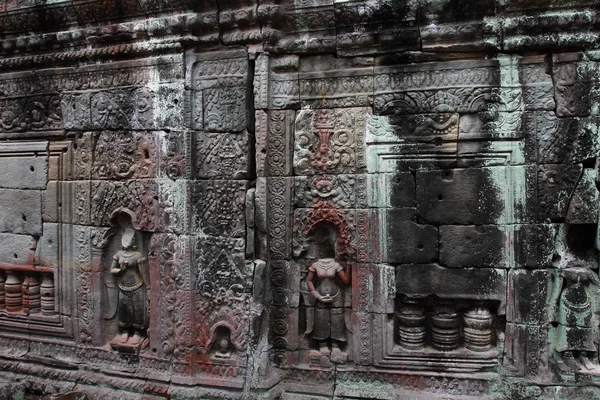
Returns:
(411, 324)
(2, 292)
(445, 325)
(47, 294)
(14, 295)
(34, 294)
(478, 328)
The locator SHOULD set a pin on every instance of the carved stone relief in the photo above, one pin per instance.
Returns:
(324, 199)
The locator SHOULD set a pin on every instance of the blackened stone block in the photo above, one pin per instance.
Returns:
(391, 190)
(402, 189)
(555, 184)
(459, 196)
(563, 140)
(526, 349)
(473, 246)
(478, 283)
(534, 245)
(527, 296)
(409, 242)
(583, 208)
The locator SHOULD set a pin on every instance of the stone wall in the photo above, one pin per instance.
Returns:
(299, 199)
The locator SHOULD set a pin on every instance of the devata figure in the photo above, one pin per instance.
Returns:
(323, 281)
(130, 267)
(575, 339)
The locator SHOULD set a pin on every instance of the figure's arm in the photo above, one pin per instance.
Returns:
(555, 290)
(311, 285)
(115, 268)
(313, 291)
(345, 275)
(144, 271)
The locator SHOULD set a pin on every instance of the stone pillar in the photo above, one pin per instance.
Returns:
(478, 328)
(47, 294)
(445, 325)
(14, 295)
(411, 324)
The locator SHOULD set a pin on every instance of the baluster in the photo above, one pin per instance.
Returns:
(411, 324)
(34, 294)
(25, 297)
(445, 325)
(2, 291)
(47, 294)
(14, 294)
(478, 328)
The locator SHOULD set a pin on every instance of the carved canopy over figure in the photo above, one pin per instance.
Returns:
(576, 335)
(129, 269)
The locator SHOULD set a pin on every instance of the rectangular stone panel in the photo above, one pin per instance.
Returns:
(477, 283)
(125, 154)
(21, 211)
(16, 249)
(48, 248)
(536, 81)
(456, 86)
(527, 297)
(460, 196)
(473, 246)
(222, 155)
(23, 172)
(327, 82)
(219, 91)
(534, 245)
(330, 141)
(409, 242)
(218, 207)
(526, 351)
(343, 191)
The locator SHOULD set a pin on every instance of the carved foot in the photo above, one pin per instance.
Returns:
(121, 338)
(571, 362)
(324, 350)
(587, 363)
(135, 340)
(338, 356)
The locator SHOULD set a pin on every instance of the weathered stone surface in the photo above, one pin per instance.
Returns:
(473, 246)
(222, 155)
(17, 249)
(409, 242)
(556, 183)
(218, 207)
(583, 208)
(23, 172)
(480, 283)
(528, 292)
(22, 211)
(461, 196)
(299, 199)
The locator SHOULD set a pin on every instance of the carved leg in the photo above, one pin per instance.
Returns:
(124, 337)
(337, 355)
(136, 338)
(570, 361)
(324, 349)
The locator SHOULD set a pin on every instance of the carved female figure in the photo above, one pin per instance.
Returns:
(323, 281)
(576, 330)
(129, 265)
